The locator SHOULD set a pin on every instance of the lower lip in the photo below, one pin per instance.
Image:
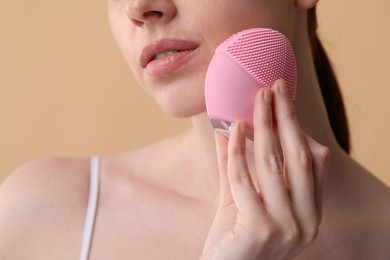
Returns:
(169, 63)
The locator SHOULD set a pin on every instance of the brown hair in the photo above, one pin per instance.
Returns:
(329, 86)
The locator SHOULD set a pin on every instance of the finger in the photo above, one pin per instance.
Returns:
(297, 158)
(269, 167)
(225, 194)
(243, 190)
(321, 158)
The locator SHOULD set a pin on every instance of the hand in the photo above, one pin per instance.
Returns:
(281, 217)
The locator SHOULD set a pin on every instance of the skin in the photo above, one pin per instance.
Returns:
(198, 195)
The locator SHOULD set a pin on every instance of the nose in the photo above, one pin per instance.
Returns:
(141, 12)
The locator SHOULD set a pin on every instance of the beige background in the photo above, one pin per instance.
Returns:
(65, 90)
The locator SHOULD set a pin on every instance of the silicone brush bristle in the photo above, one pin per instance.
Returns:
(266, 54)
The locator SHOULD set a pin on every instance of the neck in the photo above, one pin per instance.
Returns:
(309, 103)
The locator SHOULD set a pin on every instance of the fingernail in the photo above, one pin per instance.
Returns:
(267, 96)
(282, 87)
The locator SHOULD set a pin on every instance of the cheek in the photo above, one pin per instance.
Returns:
(226, 17)
(122, 34)
(128, 49)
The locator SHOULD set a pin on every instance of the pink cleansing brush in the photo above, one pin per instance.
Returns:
(242, 64)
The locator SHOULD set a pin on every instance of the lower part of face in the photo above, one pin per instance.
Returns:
(180, 92)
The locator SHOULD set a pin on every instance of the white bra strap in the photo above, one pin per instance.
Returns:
(91, 209)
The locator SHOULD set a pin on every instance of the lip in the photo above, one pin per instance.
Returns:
(168, 63)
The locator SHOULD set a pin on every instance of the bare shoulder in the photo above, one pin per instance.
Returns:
(375, 198)
(41, 203)
(367, 222)
(373, 219)
(357, 224)
(382, 225)
(43, 177)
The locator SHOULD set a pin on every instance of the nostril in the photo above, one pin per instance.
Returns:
(141, 12)
(136, 22)
(153, 14)
(146, 16)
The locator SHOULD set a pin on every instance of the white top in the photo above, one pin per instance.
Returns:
(91, 208)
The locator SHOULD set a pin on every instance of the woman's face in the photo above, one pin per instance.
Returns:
(150, 32)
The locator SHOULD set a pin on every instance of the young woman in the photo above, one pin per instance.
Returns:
(198, 195)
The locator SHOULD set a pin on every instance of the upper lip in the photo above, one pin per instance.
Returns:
(162, 46)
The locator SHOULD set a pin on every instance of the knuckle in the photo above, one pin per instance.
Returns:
(236, 150)
(304, 158)
(311, 234)
(289, 112)
(262, 119)
(323, 153)
(245, 178)
(274, 163)
(240, 175)
(291, 235)
(266, 234)
(238, 171)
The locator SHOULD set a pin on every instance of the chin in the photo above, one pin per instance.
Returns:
(183, 107)
(180, 98)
